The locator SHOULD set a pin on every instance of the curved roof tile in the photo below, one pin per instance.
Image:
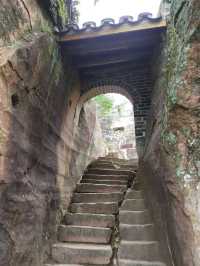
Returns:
(72, 29)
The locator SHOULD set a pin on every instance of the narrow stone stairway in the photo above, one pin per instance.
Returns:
(89, 232)
(138, 245)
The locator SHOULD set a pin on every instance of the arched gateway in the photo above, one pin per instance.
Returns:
(117, 58)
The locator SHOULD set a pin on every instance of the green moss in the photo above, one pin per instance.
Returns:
(1, 136)
(55, 59)
(180, 173)
(171, 66)
(170, 138)
(11, 20)
(164, 120)
(57, 72)
(172, 97)
(62, 11)
(172, 52)
(46, 27)
(53, 56)
(186, 131)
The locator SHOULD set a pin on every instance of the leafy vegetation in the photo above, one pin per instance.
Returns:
(104, 103)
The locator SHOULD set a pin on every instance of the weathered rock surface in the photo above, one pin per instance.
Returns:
(29, 196)
(19, 18)
(38, 98)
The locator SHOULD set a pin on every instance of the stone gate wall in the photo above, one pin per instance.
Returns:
(138, 84)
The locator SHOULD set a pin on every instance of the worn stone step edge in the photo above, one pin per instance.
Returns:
(85, 187)
(76, 253)
(145, 250)
(91, 219)
(137, 232)
(136, 226)
(110, 177)
(97, 197)
(63, 264)
(133, 204)
(135, 217)
(84, 234)
(100, 185)
(134, 194)
(104, 182)
(105, 170)
(124, 262)
(98, 208)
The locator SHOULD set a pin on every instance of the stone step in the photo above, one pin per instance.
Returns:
(137, 232)
(134, 194)
(134, 217)
(84, 234)
(113, 166)
(139, 250)
(139, 263)
(105, 182)
(97, 197)
(100, 208)
(109, 171)
(106, 177)
(102, 165)
(101, 162)
(133, 205)
(63, 265)
(100, 188)
(82, 253)
(88, 219)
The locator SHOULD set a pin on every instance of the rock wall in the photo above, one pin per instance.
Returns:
(38, 139)
(88, 140)
(172, 156)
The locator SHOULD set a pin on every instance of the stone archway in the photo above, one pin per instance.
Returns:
(140, 122)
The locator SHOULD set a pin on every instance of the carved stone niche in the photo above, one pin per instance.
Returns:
(144, 16)
(125, 19)
(89, 25)
(107, 21)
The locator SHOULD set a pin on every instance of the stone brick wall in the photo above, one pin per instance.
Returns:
(133, 82)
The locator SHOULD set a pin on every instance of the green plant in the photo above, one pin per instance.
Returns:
(104, 103)
(62, 11)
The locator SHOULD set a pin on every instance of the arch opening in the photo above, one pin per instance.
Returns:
(115, 119)
(139, 110)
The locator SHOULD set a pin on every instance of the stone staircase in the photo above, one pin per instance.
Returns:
(88, 232)
(138, 245)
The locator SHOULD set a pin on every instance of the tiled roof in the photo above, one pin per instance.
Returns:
(90, 26)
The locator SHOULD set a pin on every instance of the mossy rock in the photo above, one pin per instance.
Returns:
(57, 10)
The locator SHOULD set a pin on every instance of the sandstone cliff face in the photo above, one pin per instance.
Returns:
(173, 151)
(88, 140)
(38, 98)
(20, 18)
